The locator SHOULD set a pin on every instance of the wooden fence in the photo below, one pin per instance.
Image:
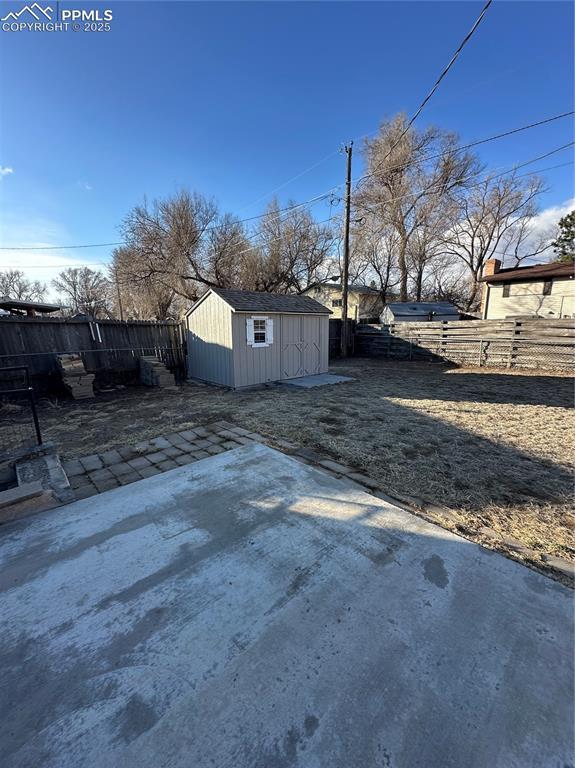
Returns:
(110, 348)
(527, 343)
(335, 328)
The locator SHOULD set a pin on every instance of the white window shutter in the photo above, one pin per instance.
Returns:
(269, 331)
(250, 330)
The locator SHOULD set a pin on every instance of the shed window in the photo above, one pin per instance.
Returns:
(506, 289)
(259, 331)
(547, 287)
(337, 303)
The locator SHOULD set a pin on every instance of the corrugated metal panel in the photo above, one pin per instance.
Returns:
(210, 356)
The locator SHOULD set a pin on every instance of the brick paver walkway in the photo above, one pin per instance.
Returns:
(100, 472)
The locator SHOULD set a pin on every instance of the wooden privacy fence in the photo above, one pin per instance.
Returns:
(109, 348)
(496, 343)
(335, 329)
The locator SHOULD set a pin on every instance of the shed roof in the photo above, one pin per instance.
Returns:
(422, 308)
(260, 301)
(19, 304)
(535, 272)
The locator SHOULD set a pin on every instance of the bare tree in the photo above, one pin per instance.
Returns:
(446, 280)
(85, 290)
(523, 240)
(15, 285)
(489, 216)
(143, 299)
(291, 251)
(374, 254)
(409, 176)
(181, 242)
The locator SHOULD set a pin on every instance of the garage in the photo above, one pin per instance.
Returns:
(242, 338)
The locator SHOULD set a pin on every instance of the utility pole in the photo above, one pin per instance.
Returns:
(345, 271)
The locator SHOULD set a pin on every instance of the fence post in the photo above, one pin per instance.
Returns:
(515, 332)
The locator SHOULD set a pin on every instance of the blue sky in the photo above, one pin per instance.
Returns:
(234, 99)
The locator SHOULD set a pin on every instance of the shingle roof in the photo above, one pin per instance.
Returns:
(536, 272)
(259, 301)
(422, 308)
(39, 306)
(354, 287)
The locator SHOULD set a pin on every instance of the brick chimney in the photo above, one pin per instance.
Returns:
(492, 266)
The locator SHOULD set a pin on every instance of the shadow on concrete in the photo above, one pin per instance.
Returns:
(251, 611)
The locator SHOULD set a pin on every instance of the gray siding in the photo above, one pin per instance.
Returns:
(300, 347)
(255, 365)
(210, 356)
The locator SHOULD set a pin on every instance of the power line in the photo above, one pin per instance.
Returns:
(324, 221)
(448, 67)
(513, 169)
(293, 178)
(311, 201)
(491, 176)
(471, 144)
(109, 263)
(435, 86)
(319, 197)
(415, 116)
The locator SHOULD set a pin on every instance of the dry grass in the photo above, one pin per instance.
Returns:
(494, 446)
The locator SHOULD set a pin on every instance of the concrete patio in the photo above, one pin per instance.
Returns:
(247, 610)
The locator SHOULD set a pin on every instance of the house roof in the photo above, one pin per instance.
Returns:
(260, 301)
(535, 272)
(18, 304)
(355, 287)
(411, 308)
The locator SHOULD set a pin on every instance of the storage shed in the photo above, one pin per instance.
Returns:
(242, 338)
(418, 312)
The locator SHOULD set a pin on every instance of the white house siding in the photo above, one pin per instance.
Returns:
(210, 355)
(528, 299)
(358, 304)
(300, 347)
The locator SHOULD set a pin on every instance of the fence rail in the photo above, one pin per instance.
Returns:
(110, 349)
(497, 343)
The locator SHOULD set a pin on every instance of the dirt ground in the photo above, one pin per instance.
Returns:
(496, 447)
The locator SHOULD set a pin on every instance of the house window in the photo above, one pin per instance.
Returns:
(259, 331)
(547, 287)
(337, 303)
(506, 289)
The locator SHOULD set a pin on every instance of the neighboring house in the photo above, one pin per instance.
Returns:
(363, 303)
(242, 338)
(418, 312)
(542, 290)
(28, 308)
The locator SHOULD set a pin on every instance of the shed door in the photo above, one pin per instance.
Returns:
(311, 345)
(292, 347)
